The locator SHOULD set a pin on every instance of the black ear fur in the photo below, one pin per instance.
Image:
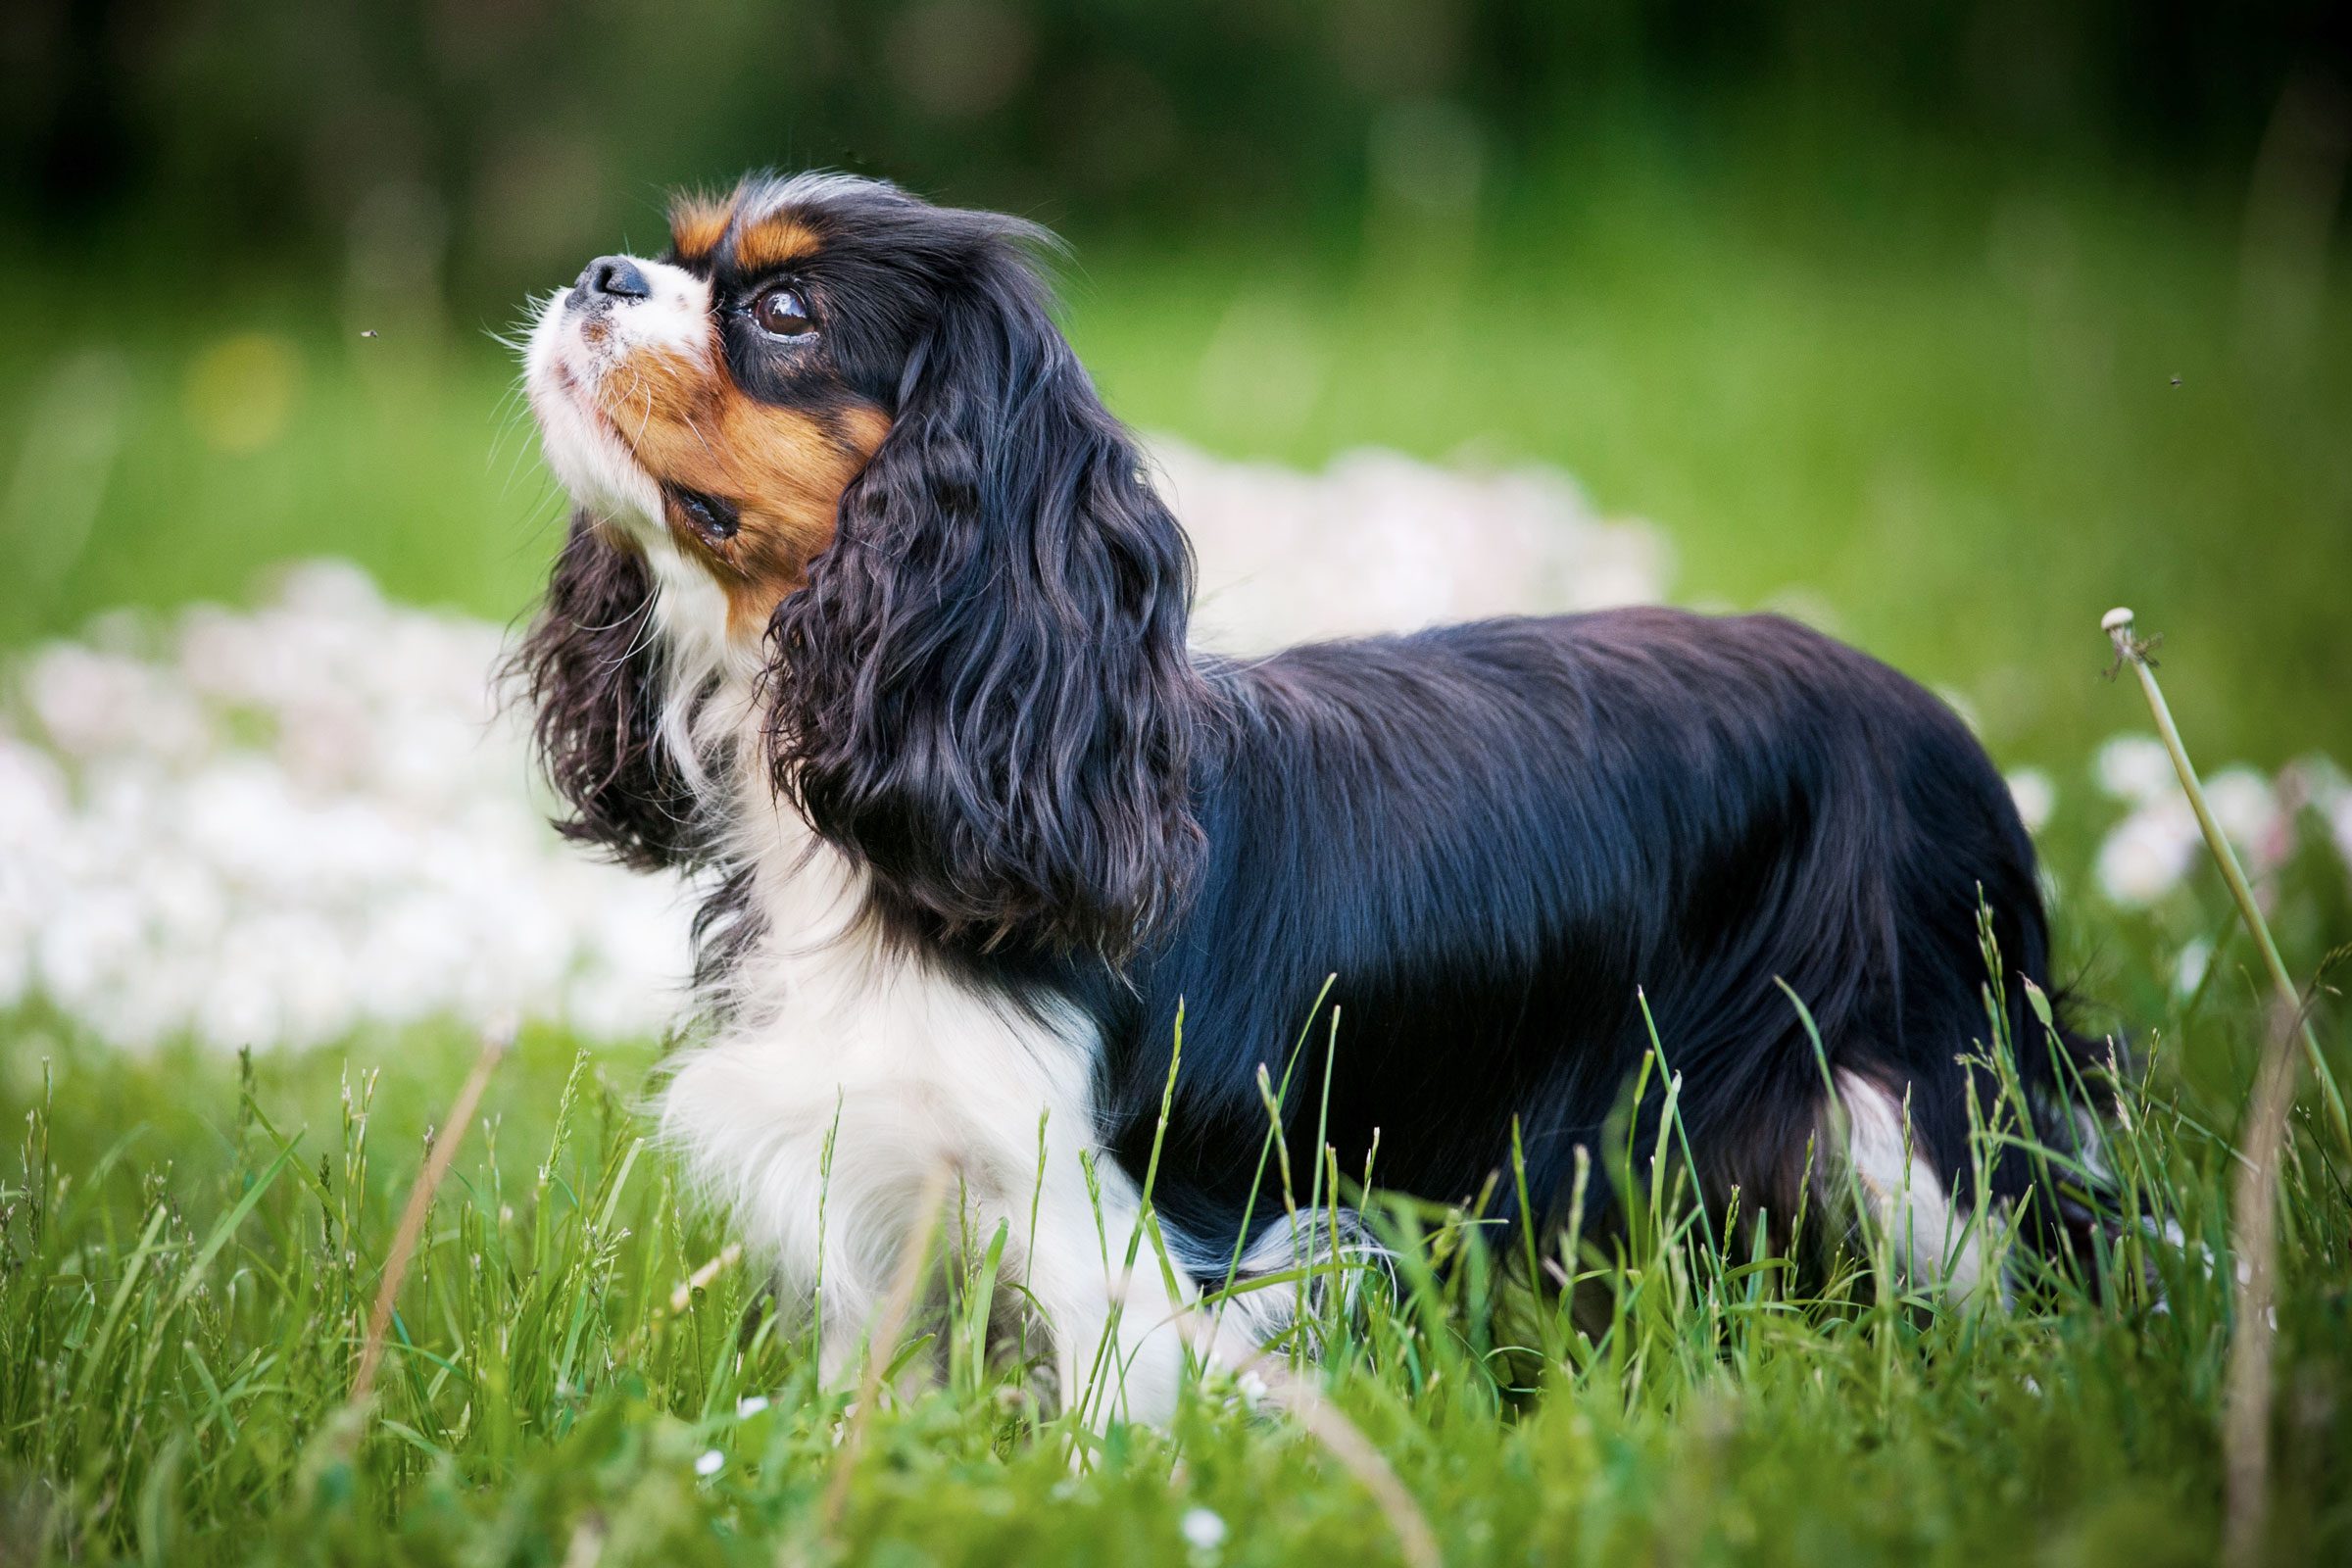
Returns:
(984, 691)
(589, 668)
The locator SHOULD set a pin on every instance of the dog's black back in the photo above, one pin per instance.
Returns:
(1501, 838)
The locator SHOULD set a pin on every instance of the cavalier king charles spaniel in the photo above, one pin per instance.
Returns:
(870, 616)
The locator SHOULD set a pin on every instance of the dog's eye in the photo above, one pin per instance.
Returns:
(780, 312)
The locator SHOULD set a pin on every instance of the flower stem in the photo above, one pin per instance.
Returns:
(2131, 650)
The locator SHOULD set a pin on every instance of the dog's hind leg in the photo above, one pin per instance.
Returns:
(1934, 1240)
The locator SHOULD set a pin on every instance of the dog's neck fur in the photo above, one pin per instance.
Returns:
(804, 899)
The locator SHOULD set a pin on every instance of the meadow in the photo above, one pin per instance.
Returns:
(579, 1372)
(1955, 428)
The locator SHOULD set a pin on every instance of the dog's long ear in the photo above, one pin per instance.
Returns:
(588, 666)
(984, 691)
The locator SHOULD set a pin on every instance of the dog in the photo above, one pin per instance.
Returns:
(869, 614)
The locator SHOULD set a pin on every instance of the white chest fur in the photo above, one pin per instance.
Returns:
(835, 1039)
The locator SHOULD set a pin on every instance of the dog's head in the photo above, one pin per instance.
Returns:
(834, 430)
(719, 398)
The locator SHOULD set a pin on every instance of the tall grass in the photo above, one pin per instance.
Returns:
(190, 1251)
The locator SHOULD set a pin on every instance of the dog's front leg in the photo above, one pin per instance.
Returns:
(1119, 1332)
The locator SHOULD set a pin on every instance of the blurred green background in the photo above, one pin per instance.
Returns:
(1947, 324)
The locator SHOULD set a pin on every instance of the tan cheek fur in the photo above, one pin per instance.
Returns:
(783, 468)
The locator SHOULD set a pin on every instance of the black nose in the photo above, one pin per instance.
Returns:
(614, 276)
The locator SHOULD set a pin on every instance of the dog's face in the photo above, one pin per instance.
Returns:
(699, 402)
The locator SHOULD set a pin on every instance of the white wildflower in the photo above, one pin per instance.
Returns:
(272, 828)
(2135, 768)
(749, 1405)
(2036, 797)
(1203, 1529)
(1379, 542)
(2188, 968)
(2245, 807)
(710, 1465)
(2149, 853)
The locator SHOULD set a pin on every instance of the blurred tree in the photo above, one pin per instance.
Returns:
(514, 133)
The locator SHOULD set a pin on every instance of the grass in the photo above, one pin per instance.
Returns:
(191, 1246)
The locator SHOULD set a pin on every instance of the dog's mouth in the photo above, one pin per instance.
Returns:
(710, 519)
(569, 370)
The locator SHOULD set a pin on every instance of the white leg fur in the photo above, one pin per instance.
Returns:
(911, 1072)
(1931, 1234)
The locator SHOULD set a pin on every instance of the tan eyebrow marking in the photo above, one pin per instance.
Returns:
(772, 241)
(697, 225)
